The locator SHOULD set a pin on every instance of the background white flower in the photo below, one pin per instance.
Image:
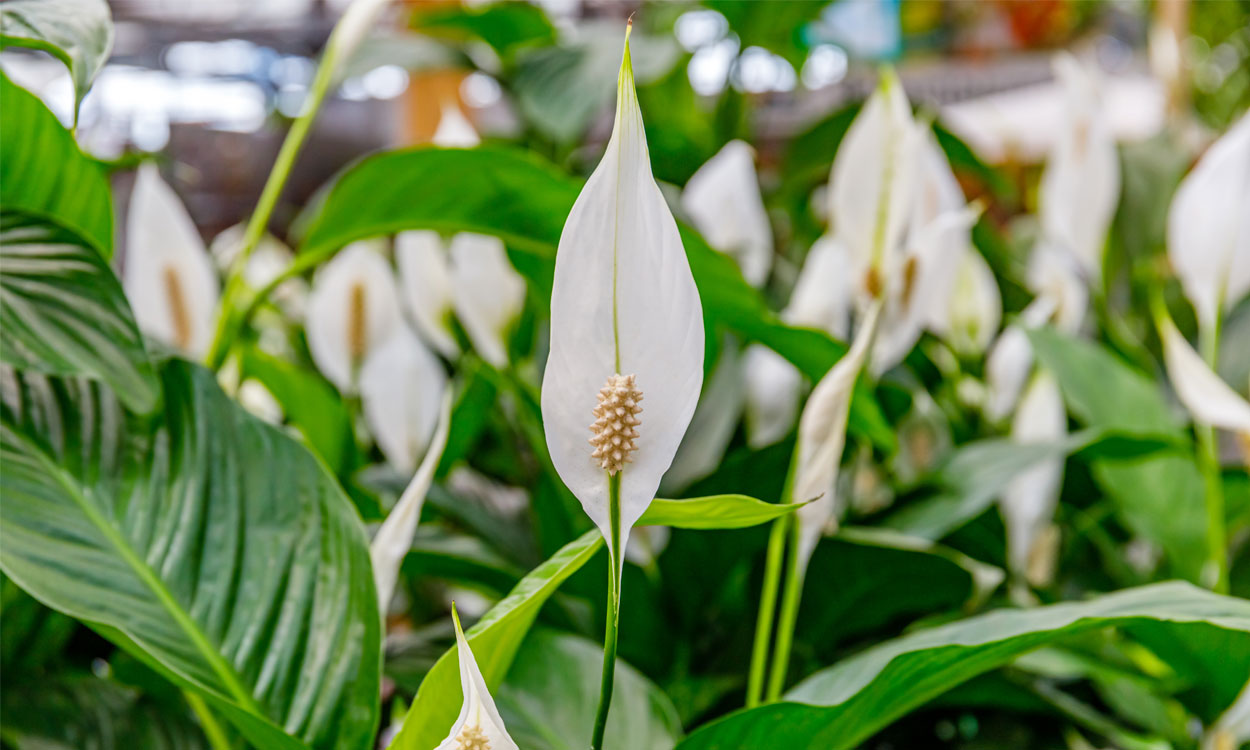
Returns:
(401, 385)
(724, 203)
(487, 293)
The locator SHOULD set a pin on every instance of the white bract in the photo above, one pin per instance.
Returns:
(401, 384)
(425, 282)
(1208, 398)
(479, 726)
(772, 395)
(1028, 502)
(626, 323)
(394, 538)
(1010, 360)
(1209, 227)
(167, 273)
(352, 309)
(1054, 275)
(454, 129)
(724, 203)
(487, 293)
(1081, 183)
(822, 435)
(973, 309)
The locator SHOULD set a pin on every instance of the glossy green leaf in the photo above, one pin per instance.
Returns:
(506, 27)
(495, 640)
(524, 201)
(78, 32)
(714, 512)
(63, 312)
(203, 541)
(1157, 496)
(548, 700)
(841, 707)
(43, 173)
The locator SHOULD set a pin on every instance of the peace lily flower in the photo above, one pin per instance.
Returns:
(724, 203)
(401, 385)
(479, 726)
(626, 324)
(352, 310)
(1209, 227)
(972, 310)
(167, 273)
(772, 395)
(1028, 502)
(454, 129)
(472, 280)
(1081, 182)
(1208, 398)
(1055, 276)
(394, 538)
(1010, 360)
(822, 435)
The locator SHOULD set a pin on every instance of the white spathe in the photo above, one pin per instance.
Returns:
(872, 186)
(353, 308)
(822, 435)
(454, 129)
(724, 203)
(772, 395)
(167, 273)
(425, 283)
(1209, 227)
(973, 309)
(479, 724)
(1080, 185)
(1208, 398)
(1028, 502)
(1055, 275)
(394, 538)
(623, 302)
(401, 385)
(487, 293)
(1010, 360)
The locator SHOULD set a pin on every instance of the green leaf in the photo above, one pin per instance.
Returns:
(203, 541)
(43, 173)
(1157, 496)
(840, 707)
(83, 712)
(78, 32)
(309, 403)
(524, 201)
(495, 640)
(548, 700)
(63, 312)
(506, 27)
(714, 512)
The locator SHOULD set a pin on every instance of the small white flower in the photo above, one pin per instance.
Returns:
(626, 323)
(168, 275)
(724, 203)
(454, 129)
(425, 280)
(487, 293)
(1010, 360)
(1081, 182)
(394, 538)
(1055, 276)
(1208, 398)
(1209, 227)
(973, 309)
(822, 435)
(1028, 501)
(479, 726)
(353, 309)
(401, 385)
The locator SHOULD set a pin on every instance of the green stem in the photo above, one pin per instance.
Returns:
(614, 613)
(228, 322)
(217, 738)
(790, 597)
(768, 607)
(1215, 573)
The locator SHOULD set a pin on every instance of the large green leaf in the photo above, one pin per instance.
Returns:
(495, 640)
(840, 707)
(1158, 496)
(79, 32)
(524, 201)
(207, 543)
(63, 312)
(43, 173)
(506, 27)
(548, 700)
(713, 512)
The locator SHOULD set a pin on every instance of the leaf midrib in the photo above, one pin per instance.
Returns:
(231, 679)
